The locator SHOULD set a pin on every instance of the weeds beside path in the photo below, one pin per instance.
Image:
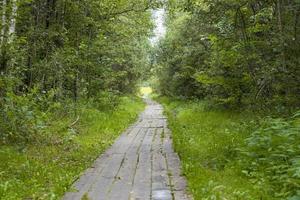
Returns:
(47, 169)
(233, 155)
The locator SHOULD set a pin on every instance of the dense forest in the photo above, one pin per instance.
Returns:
(232, 52)
(58, 52)
(68, 70)
(227, 73)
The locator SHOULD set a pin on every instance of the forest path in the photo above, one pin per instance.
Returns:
(140, 165)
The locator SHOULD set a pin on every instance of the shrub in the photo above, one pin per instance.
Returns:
(106, 100)
(22, 117)
(272, 156)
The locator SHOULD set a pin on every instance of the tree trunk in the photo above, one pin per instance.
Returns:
(281, 36)
(3, 21)
(12, 25)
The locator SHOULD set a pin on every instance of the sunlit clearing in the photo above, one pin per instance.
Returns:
(145, 91)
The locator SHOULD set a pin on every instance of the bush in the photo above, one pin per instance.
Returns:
(272, 156)
(106, 100)
(22, 117)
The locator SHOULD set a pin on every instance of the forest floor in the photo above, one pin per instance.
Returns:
(141, 164)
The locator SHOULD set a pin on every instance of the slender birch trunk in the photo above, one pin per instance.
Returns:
(3, 20)
(12, 25)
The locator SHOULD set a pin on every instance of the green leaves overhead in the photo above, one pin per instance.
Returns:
(246, 51)
(87, 39)
(77, 50)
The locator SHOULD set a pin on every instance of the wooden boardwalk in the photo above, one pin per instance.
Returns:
(140, 165)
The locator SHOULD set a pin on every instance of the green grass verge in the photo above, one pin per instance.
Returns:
(206, 141)
(47, 169)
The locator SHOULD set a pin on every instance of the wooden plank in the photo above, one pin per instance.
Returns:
(123, 183)
(140, 165)
(123, 142)
(141, 188)
(83, 184)
(173, 162)
(160, 188)
(100, 189)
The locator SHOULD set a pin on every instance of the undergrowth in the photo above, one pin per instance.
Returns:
(229, 155)
(46, 168)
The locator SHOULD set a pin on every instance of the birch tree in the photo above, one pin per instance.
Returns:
(12, 21)
(3, 20)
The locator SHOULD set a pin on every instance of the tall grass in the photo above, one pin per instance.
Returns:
(207, 141)
(230, 155)
(46, 169)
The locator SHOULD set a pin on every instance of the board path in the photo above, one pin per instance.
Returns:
(140, 165)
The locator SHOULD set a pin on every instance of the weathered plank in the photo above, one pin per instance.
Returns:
(160, 180)
(122, 185)
(178, 182)
(140, 165)
(100, 188)
(141, 188)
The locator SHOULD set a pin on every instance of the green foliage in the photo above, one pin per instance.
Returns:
(271, 155)
(64, 67)
(235, 54)
(105, 101)
(46, 170)
(231, 155)
(23, 117)
(61, 52)
(231, 52)
(206, 140)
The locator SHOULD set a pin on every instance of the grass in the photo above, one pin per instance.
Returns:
(206, 141)
(47, 169)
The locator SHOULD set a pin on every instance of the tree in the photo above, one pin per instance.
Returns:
(233, 52)
(61, 50)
